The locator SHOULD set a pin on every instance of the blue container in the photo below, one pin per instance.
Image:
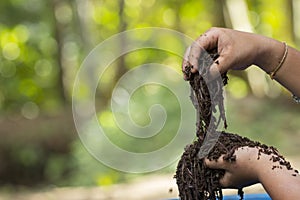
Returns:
(246, 197)
(249, 197)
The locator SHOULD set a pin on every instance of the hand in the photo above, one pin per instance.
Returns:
(280, 183)
(237, 50)
(240, 173)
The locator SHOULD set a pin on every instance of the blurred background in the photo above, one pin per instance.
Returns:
(42, 45)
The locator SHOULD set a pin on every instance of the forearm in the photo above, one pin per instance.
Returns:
(280, 183)
(271, 52)
(289, 74)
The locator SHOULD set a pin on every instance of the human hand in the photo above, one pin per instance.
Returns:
(240, 173)
(237, 50)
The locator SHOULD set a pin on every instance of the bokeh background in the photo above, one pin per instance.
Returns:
(42, 45)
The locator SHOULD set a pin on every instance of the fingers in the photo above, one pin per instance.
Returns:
(199, 50)
(194, 55)
(226, 181)
(215, 164)
(220, 65)
(220, 164)
(204, 43)
(209, 40)
(185, 61)
(214, 73)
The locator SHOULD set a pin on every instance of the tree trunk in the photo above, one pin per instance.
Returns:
(58, 32)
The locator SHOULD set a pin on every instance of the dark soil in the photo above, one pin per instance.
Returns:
(195, 181)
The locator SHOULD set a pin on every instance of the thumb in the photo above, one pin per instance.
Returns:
(219, 66)
(226, 181)
(216, 69)
(215, 164)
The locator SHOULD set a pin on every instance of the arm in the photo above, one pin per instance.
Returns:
(239, 50)
(247, 170)
(289, 73)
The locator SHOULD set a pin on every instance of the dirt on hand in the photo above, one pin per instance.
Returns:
(195, 181)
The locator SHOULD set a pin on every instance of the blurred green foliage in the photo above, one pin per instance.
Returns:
(42, 44)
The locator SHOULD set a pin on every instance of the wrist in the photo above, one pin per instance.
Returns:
(258, 163)
(269, 53)
(265, 167)
(251, 163)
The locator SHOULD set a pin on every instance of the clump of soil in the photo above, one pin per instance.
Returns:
(195, 181)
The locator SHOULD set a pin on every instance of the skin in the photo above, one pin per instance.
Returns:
(247, 170)
(237, 51)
